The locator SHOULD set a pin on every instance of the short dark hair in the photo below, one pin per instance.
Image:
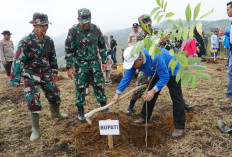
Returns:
(229, 3)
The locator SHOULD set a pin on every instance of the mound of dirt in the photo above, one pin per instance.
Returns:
(132, 136)
(116, 76)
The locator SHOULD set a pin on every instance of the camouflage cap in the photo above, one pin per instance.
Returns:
(145, 18)
(40, 19)
(84, 15)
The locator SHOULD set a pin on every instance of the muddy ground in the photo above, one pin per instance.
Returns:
(72, 138)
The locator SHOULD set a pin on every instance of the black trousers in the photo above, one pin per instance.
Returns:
(8, 67)
(177, 99)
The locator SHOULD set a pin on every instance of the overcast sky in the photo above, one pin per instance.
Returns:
(107, 14)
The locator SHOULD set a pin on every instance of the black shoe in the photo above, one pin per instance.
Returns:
(188, 107)
(106, 110)
(130, 109)
(81, 116)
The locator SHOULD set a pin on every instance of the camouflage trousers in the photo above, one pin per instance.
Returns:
(32, 91)
(141, 79)
(86, 72)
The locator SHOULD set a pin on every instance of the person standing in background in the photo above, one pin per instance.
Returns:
(106, 73)
(214, 44)
(132, 37)
(113, 45)
(7, 52)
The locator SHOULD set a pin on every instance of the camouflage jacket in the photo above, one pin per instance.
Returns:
(84, 45)
(142, 35)
(34, 59)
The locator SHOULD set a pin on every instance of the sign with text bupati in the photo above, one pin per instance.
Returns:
(109, 127)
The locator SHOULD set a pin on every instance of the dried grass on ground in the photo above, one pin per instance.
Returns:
(202, 138)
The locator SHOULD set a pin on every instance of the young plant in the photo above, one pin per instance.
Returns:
(187, 72)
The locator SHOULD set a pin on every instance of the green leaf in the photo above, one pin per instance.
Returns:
(172, 36)
(203, 75)
(158, 51)
(148, 43)
(170, 14)
(199, 27)
(188, 13)
(159, 18)
(174, 27)
(170, 21)
(152, 51)
(137, 48)
(165, 6)
(180, 22)
(185, 32)
(198, 67)
(182, 59)
(171, 52)
(208, 13)
(179, 73)
(158, 2)
(184, 53)
(156, 15)
(194, 60)
(154, 10)
(186, 78)
(145, 27)
(191, 31)
(193, 81)
(179, 33)
(162, 3)
(172, 64)
(196, 11)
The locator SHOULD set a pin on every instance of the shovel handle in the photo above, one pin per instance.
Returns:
(89, 114)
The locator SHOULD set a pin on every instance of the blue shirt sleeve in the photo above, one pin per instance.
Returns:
(125, 80)
(162, 72)
(227, 32)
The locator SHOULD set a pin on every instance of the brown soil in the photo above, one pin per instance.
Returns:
(90, 142)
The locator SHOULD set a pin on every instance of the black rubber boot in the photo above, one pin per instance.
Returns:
(188, 107)
(130, 109)
(106, 110)
(81, 116)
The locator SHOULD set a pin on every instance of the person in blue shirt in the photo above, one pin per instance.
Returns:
(163, 76)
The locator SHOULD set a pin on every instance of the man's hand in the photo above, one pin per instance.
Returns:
(4, 63)
(16, 90)
(70, 73)
(221, 31)
(149, 95)
(55, 78)
(104, 66)
(116, 98)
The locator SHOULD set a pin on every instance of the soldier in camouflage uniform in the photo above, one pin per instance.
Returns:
(83, 43)
(35, 60)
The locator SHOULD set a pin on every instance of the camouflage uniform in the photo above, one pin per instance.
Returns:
(82, 48)
(142, 77)
(35, 60)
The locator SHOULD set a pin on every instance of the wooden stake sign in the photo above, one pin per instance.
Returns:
(109, 128)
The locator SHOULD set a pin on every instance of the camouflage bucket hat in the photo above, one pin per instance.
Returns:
(84, 15)
(40, 19)
(145, 18)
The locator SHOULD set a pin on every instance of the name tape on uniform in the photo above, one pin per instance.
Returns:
(109, 127)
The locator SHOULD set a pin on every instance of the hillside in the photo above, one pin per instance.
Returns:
(121, 36)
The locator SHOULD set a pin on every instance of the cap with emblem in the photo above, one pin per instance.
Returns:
(39, 19)
(128, 59)
(6, 32)
(145, 18)
(84, 15)
(135, 25)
